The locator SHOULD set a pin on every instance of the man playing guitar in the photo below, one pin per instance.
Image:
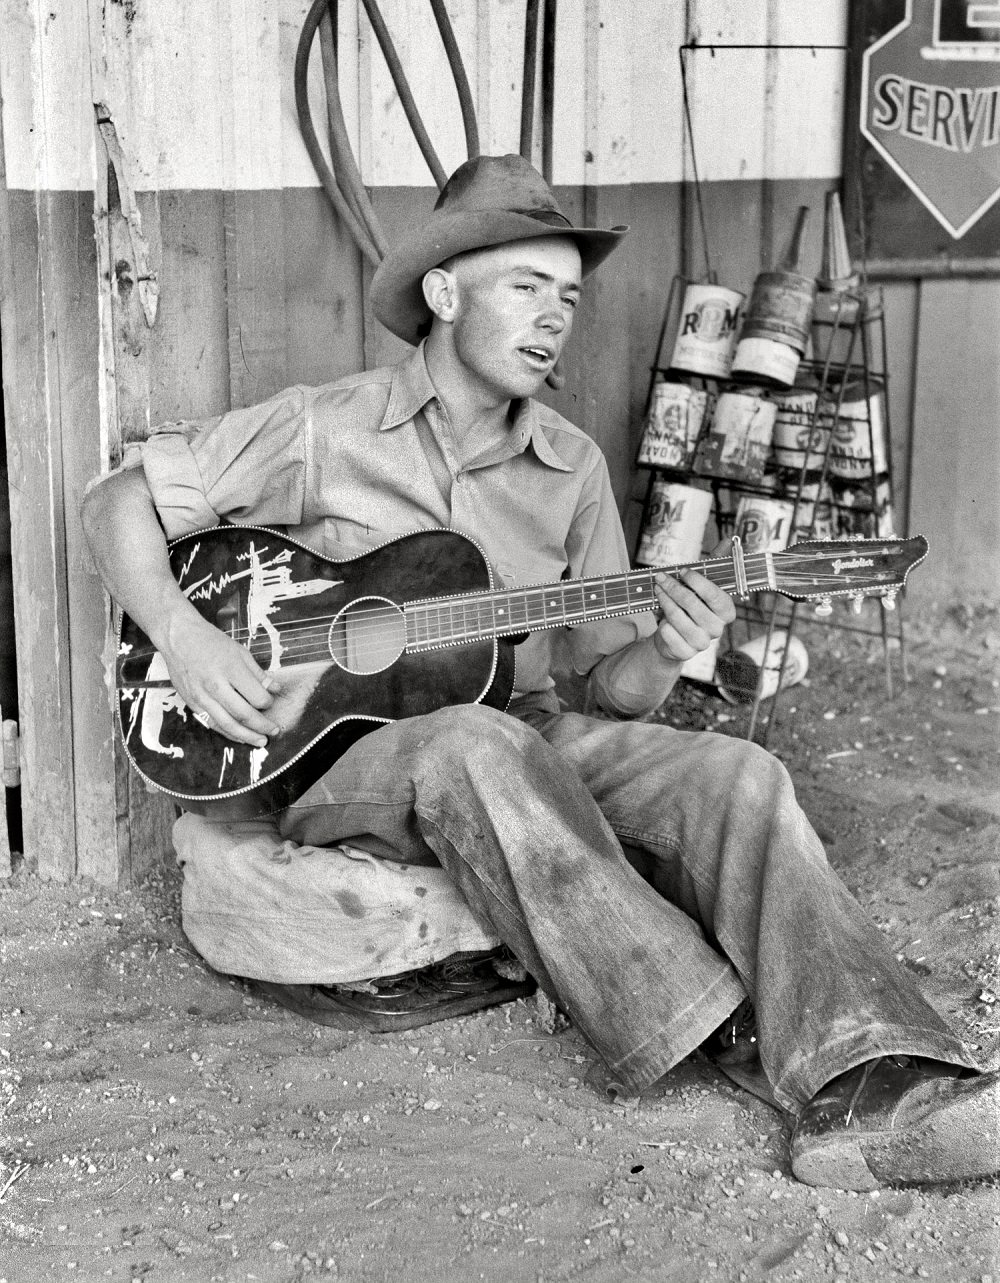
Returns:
(652, 881)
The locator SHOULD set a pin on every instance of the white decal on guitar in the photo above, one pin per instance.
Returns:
(227, 761)
(854, 563)
(151, 707)
(270, 583)
(257, 756)
(189, 563)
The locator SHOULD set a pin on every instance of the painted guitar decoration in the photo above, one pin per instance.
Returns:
(411, 626)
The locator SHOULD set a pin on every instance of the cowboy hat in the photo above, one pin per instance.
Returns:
(490, 200)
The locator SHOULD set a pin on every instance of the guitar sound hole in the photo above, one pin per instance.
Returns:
(368, 635)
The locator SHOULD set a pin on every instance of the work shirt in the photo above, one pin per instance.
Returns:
(347, 466)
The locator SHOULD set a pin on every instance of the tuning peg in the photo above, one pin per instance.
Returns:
(889, 599)
(824, 607)
(858, 600)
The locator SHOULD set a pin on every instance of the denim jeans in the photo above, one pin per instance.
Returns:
(648, 878)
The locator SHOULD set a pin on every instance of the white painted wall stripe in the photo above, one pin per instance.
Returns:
(202, 97)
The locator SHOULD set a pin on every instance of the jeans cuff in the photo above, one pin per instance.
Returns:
(641, 1066)
(804, 1074)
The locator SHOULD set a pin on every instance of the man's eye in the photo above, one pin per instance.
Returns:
(571, 301)
(525, 285)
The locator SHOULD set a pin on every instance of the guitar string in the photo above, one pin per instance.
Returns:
(314, 643)
(316, 647)
(476, 601)
(370, 620)
(481, 612)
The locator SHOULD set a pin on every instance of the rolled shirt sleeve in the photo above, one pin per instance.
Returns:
(247, 465)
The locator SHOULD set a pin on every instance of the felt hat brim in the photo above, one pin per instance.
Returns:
(397, 296)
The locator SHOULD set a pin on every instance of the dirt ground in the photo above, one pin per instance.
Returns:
(160, 1123)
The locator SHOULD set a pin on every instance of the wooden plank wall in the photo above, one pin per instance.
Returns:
(258, 286)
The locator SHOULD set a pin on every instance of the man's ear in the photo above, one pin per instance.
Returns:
(441, 292)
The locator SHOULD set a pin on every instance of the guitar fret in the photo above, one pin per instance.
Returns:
(573, 601)
(505, 613)
(534, 605)
(418, 620)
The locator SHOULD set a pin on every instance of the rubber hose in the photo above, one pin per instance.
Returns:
(528, 77)
(311, 141)
(403, 89)
(346, 168)
(335, 116)
(548, 85)
(461, 80)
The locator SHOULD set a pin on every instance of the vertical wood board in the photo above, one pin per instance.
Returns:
(91, 791)
(31, 229)
(902, 304)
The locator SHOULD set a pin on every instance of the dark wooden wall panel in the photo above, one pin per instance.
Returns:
(255, 295)
(323, 288)
(955, 470)
(189, 356)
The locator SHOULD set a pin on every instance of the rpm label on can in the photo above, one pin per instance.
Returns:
(706, 336)
(675, 524)
(764, 525)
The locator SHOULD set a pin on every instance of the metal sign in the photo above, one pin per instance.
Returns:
(930, 106)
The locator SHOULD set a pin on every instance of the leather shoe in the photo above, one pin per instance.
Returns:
(899, 1119)
(735, 1040)
(456, 986)
(733, 1049)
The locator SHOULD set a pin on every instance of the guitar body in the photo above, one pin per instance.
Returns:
(287, 604)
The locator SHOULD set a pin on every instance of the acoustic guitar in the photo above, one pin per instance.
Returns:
(414, 625)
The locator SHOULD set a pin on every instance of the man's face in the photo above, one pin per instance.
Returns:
(514, 313)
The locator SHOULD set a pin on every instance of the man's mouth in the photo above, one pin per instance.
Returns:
(538, 355)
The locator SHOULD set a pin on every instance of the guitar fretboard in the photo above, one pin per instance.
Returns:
(447, 621)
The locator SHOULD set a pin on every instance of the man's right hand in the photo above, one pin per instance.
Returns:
(215, 676)
(219, 678)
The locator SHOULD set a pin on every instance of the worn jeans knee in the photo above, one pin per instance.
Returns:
(472, 738)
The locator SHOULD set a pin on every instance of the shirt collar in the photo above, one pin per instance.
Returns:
(528, 427)
(410, 391)
(412, 388)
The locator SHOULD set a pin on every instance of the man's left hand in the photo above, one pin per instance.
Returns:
(693, 614)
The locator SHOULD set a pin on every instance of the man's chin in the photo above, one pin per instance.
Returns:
(527, 385)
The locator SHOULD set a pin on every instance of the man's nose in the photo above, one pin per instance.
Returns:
(552, 317)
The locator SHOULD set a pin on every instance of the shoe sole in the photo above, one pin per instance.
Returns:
(959, 1139)
(325, 1011)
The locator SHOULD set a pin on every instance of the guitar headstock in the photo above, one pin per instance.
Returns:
(820, 569)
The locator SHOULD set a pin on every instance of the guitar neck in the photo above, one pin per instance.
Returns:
(450, 621)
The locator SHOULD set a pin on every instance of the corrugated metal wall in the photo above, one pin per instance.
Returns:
(192, 171)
